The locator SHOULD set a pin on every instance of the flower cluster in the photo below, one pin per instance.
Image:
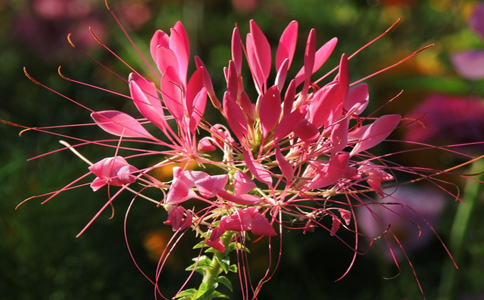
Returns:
(288, 153)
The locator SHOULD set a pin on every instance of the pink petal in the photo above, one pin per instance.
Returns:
(327, 105)
(235, 117)
(262, 49)
(269, 110)
(259, 172)
(180, 45)
(357, 99)
(209, 187)
(343, 77)
(339, 136)
(289, 98)
(309, 56)
(255, 69)
(145, 97)
(282, 74)
(345, 215)
(205, 145)
(199, 104)
(245, 199)
(335, 170)
(159, 38)
(306, 131)
(237, 50)
(120, 124)
(285, 166)
(321, 56)
(288, 122)
(261, 226)
(165, 57)
(233, 80)
(172, 91)
(207, 82)
(242, 183)
(335, 225)
(113, 171)
(287, 45)
(375, 133)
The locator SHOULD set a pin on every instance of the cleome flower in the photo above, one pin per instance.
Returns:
(294, 154)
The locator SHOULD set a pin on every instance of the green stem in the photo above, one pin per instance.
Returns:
(458, 232)
(212, 272)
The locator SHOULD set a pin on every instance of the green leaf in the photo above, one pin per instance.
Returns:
(225, 281)
(233, 268)
(186, 294)
(216, 295)
(200, 264)
(238, 246)
(200, 245)
(224, 263)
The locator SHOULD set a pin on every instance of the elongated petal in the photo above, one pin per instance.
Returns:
(120, 124)
(357, 99)
(242, 183)
(285, 166)
(306, 131)
(309, 56)
(237, 50)
(209, 187)
(160, 38)
(376, 133)
(262, 49)
(339, 136)
(145, 97)
(282, 74)
(287, 45)
(245, 199)
(327, 105)
(321, 57)
(289, 98)
(165, 57)
(269, 109)
(261, 226)
(343, 76)
(181, 47)
(336, 168)
(199, 104)
(172, 91)
(235, 117)
(259, 172)
(287, 123)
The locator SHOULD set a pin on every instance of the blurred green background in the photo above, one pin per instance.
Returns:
(40, 256)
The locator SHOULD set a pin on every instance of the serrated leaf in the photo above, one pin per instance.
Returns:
(225, 281)
(216, 295)
(200, 245)
(187, 294)
(224, 263)
(238, 246)
(200, 265)
(204, 293)
(233, 268)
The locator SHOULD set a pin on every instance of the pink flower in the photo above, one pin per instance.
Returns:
(112, 171)
(297, 155)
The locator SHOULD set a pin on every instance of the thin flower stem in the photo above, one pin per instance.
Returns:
(212, 272)
(473, 189)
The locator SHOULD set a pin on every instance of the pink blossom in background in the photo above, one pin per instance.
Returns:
(470, 63)
(448, 119)
(401, 211)
(476, 21)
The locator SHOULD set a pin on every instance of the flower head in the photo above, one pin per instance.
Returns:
(293, 155)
